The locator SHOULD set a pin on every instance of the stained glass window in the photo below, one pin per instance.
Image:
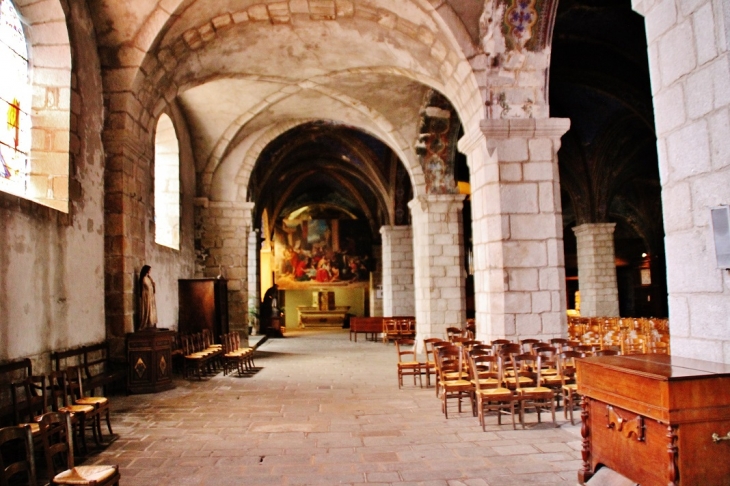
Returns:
(15, 98)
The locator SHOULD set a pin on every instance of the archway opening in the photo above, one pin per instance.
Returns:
(608, 162)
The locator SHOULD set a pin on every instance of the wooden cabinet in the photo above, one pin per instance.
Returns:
(656, 419)
(203, 305)
(150, 361)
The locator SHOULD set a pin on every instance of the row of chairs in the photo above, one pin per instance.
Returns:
(60, 391)
(200, 353)
(498, 376)
(55, 435)
(629, 335)
(395, 328)
(235, 356)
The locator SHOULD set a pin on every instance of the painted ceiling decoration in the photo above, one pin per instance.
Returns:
(528, 24)
(436, 146)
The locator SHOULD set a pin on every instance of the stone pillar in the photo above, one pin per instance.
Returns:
(597, 270)
(253, 280)
(689, 54)
(376, 282)
(224, 239)
(439, 274)
(398, 290)
(517, 228)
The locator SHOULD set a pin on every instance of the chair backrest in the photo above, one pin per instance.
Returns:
(482, 366)
(510, 348)
(471, 329)
(207, 338)
(452, 332)
(498, 343)
(29, 399)
(428, 344)
(406, 349)
(559, 343)
(526, 364)
(527, 344)
(481, 348)
(57, 439)
(74, 382)
(59, 390)
(451, 359)
(13, 464)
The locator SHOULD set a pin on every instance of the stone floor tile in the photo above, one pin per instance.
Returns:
(313, 414)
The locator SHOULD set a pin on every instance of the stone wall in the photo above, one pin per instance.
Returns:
(690, 74)
(52, 279)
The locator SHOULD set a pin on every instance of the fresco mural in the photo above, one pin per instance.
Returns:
(321, 253)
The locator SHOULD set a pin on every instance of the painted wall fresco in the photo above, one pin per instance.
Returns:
(322, 253)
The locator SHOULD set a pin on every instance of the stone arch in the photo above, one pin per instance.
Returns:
(50, 61)
(249, 151)
(382, 128)
(460, 83)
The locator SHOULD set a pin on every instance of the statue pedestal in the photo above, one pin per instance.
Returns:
(150, 361)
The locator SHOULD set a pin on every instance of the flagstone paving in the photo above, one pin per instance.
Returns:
(324, 410)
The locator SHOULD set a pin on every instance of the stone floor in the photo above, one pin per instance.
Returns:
(324, 410)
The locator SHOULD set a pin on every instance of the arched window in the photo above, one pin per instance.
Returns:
(167, 184)
(15, 100)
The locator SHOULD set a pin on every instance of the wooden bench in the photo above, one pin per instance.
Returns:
(94, 360)
(366, 325)
(11, 372)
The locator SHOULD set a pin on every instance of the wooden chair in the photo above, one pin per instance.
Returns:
(61, 400)
(101, 404)
(436, 346)
(537, 397)
(429, 365)
(406, 328)
(568, 388)
(15, 464)
(452, 332)
(471, 329)
(633, 345)
(390, 329)
(562, 344)
(657, 347)
(607, 352)
(483, 348)
(194, 356)
(453, 377)
(527, 344)
(29, 402)
(497, 345)
(408, 364)
(488, 392)
(56, 433)
(484, 370)
(236, 356)
(549, 373)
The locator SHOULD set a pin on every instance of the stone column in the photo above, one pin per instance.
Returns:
(398, 290)
(225, 229)
(517, 230)
(689, 54)
(597, 270)
(253, 279)
(376, 282)
(439, 274)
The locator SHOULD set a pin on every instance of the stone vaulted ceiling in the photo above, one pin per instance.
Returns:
(244, 72)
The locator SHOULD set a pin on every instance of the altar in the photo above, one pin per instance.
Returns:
(311, 316)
